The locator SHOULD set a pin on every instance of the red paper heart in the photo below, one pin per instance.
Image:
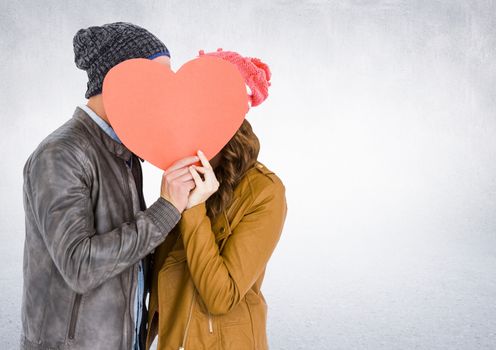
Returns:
(163, 116)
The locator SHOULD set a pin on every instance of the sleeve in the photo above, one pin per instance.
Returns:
(222, 280)
(59, 199)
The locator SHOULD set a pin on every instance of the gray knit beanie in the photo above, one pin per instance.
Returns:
(97, 49)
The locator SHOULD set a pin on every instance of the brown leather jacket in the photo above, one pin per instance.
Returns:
(207, 275)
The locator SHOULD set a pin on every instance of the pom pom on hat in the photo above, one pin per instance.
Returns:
(255, 73)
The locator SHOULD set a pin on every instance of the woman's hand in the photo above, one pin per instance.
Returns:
(204, 188)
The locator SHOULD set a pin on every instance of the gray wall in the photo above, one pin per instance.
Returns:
(380, 122)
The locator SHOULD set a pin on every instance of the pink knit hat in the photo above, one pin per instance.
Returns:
(254, 71)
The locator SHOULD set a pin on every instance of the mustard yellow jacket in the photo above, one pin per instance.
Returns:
(207, 275)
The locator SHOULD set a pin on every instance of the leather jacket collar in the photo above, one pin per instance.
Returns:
(94, 129)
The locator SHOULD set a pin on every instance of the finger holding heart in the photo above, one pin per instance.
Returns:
(204, 188)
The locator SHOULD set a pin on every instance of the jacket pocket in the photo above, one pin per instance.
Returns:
(74, 316)
(238, 315)
(236, 328)
(237, 336)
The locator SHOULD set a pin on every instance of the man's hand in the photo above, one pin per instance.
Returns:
(177, 182)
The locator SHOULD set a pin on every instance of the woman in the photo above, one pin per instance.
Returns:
(208, 272)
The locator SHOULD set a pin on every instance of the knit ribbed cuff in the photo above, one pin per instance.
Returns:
(163, 214)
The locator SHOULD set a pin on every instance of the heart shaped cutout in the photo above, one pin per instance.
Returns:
(163, 116)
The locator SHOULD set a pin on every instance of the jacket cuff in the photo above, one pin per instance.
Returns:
(192, 217)
(163, 214)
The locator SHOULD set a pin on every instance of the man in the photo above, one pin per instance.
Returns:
(87, 227)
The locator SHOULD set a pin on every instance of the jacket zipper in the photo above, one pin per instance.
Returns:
(132, 296)
(131, 304)
(189, 320)
(74, 315)
(131, 183)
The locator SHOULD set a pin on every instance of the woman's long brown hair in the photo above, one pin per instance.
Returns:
(237, 157)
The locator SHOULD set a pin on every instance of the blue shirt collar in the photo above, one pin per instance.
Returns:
(102, 123)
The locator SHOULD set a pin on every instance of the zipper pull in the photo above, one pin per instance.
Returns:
(181, 348)
(210, 327)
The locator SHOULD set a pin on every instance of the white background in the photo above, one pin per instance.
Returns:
(380, 122)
